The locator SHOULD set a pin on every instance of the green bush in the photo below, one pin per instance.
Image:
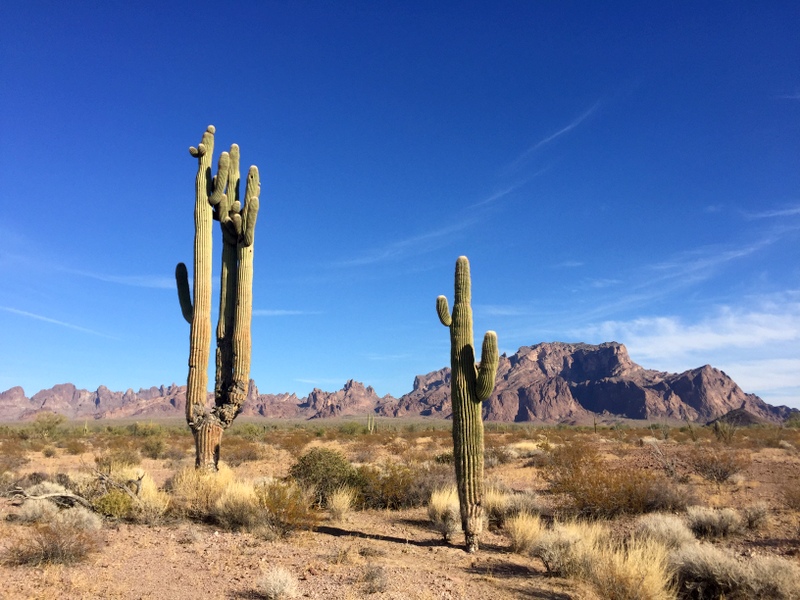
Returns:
(115, 504)
(323, 471)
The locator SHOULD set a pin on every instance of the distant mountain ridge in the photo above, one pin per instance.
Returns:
(550, 382)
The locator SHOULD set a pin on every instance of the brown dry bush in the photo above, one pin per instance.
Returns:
(288, 506)
(592, 489)
(398, 485)
(790, 493)
(718, 464)
(52, 543)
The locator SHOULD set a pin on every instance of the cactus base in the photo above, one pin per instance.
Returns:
(207, 439)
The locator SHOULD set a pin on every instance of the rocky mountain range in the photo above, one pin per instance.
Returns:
(548, 382)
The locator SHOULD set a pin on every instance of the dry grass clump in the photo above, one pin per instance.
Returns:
(340, 501)
(237, 507)
(705, 571)
(713, 522)
(194, 491)
(524, 530)
(635, 570)
(668, 530)
(278, 583)
(53, 543)
(718, 465)
(444, 511)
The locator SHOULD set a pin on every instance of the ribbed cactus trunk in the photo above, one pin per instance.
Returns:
(217, 198)
(469, 387)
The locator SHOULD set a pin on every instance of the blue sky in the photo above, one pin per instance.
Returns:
(614, 171)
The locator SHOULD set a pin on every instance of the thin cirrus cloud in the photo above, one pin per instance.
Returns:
(30, 315)
(413, 246)
(517, 162)
(771, 214)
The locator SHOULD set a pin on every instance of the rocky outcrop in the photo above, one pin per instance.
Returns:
(559, 382)
(549, 383)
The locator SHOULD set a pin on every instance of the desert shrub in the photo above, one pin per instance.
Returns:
(725, 431)
(288, 506)
(397, 485)
(713, 522)
(151, 503)
(38, 511)
(49, 452)
(115, 504)
(154, 447)
(47, 425)
(340, 501)
(12, 457)
(755, 516)
(668, 530)
(718, 465)
(375, 579)
(53, 543)
(524, 530)
(562, 548)
(238, 507)
(278, 583)
(80, 518)
(195, 491)
(444, 458)
(75, 446)
(592, 489)
(323, 471)
(145, 430)
(705, 571)
(118, 458)
(790, 493)
(444, 512)
(636, 570)
(239, 450)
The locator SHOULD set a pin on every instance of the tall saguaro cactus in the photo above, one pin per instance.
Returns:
(217, 199)
(469, 387)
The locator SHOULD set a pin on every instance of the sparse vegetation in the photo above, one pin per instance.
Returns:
(566, 472)
(278, 584)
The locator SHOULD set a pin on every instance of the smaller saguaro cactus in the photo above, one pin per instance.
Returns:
(469, 387)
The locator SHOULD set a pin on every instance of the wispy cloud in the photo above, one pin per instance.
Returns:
(413, 246)
(567, 264)
(145, 281)
(322, 381)
(515, 164)
(31, 315)
(496, 196)
(795, 96)
(501, 310)
(771, 214)
(279, 312)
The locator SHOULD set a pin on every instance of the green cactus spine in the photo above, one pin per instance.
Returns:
(469, 387)
(217, 198)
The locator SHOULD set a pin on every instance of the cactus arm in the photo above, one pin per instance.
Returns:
(228, 274)
(200, 334)
(443, 311)
(184, 295)
(250, 212)
(488, 368)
